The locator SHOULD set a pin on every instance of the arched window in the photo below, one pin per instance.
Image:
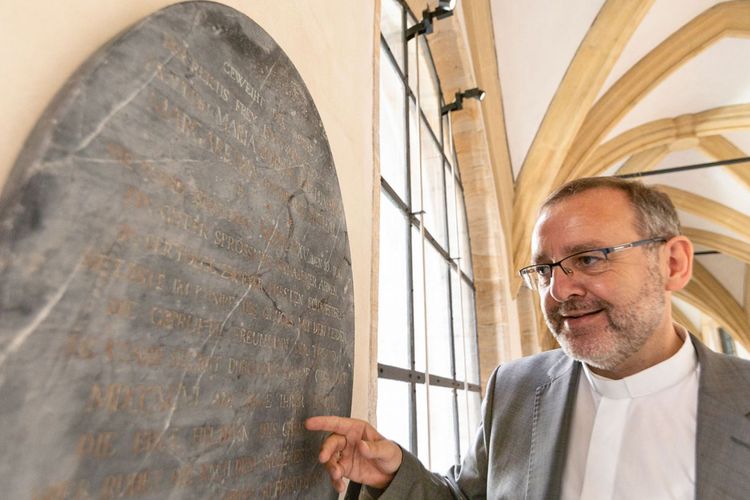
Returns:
(428, 385)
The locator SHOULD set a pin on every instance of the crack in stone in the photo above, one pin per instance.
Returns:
(25, 333)
(87, 140)
(270, 70)
(213, 350)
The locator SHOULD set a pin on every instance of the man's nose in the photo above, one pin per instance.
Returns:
(564, 285)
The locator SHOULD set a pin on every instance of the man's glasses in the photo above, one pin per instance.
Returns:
(587, 263)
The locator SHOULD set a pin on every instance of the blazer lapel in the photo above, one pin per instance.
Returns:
(723, 427)
(550, 429)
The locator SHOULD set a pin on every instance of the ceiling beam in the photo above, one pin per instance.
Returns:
(721, 148)
(721, 20)
(481, 37)
(643, 161)
(708, 209)
(592, 63)
(724, 244)
(680, 317)
(707, 294)
(681, 132)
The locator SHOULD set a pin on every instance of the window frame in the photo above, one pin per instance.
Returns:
(415, 221)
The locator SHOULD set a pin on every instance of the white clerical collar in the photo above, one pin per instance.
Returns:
(651, 380)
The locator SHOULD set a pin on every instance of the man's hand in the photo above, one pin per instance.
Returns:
(355, 450)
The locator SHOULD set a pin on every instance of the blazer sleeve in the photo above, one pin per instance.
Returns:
(468, 480)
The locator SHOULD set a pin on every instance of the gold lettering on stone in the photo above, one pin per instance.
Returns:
(64, 490)
(233, 244)
(121, 307)
(321, 305)
(286, 486)
(292, 400)
(183, 476)
(129, 485)
(207, 299)
(98, 445)
(108, 267)
(141, 398)
(260, 339)
(177, 218)
(171, 319)
(80, 346)
(197, 133)
(209, 435)
(244, 84)
(150, 441)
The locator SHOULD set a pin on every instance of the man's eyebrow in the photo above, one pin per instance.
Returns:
(539, 259)
(583, 247)
(542, 258)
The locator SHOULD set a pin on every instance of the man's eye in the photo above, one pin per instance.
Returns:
(543, 271)
(587, 260)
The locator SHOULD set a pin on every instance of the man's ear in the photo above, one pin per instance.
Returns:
(679, 253)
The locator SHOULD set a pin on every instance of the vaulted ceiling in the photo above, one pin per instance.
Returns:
(593, 87)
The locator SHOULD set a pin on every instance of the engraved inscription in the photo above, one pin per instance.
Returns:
(179, 255)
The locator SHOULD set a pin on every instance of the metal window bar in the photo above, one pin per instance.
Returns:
(444, 164)
(421, 214)
(416, 377)
(460, 291)
(413, 441)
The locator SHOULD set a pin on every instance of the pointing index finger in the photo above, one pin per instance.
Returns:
(329, 423)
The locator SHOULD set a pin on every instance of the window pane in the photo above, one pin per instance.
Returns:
(429, 88)
(438, 314)
(415, 149)
(418, 300)
(421, 400)
(393, 410)
(393, 286)
(443, 446)
(450, 186)
(447, 141)
(391, 18)
(392, 128)
(429, 94)
(411, 55)
(470, 333)
(469, 403)
(464, 331)
(463, 231)
(438, 310)
(458, 331)
(433, 188)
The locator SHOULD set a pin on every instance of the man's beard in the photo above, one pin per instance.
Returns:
(629, 325)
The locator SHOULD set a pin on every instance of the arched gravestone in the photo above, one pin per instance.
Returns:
(175, 278)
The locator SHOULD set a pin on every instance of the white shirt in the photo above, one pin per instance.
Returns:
(634, 438)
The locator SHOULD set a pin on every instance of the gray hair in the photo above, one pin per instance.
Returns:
(655, 215)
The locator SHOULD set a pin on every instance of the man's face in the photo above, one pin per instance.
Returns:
(604, 319)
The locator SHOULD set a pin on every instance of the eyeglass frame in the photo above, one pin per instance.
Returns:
(605, 250)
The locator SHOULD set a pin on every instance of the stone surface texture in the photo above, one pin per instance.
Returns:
(175, 276)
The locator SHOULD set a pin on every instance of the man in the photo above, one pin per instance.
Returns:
(632, 406)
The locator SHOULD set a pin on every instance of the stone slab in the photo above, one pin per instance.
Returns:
(175, 275)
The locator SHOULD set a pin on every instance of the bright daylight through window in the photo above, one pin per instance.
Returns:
(428, 386)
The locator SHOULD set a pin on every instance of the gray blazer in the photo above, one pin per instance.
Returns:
(520, 448)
